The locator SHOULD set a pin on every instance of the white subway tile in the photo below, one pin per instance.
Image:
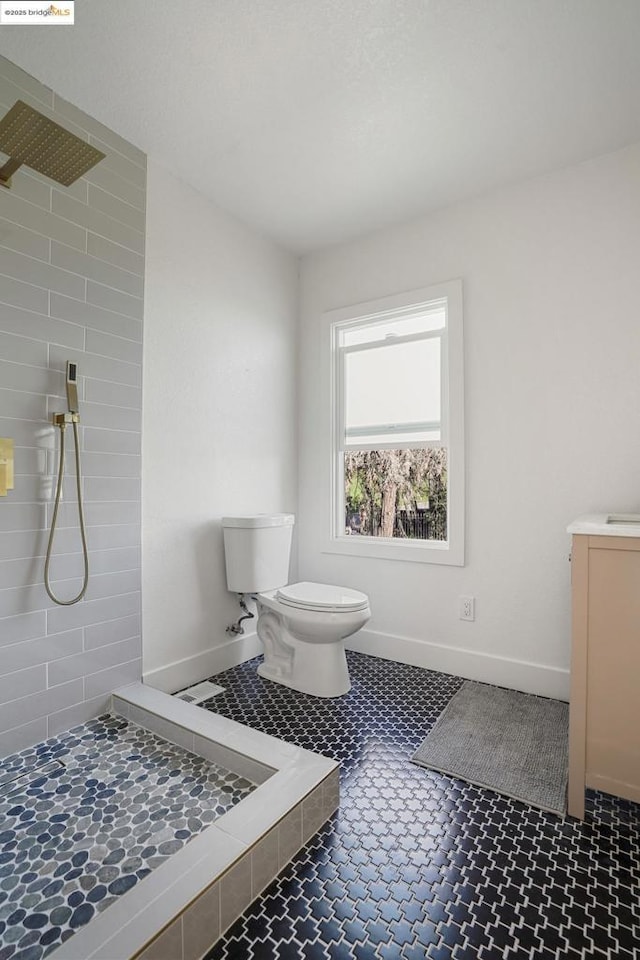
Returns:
(39, 327)
(110, 465)
(110, 299)
(29, 188)
(95, 318)
(116, 347)
(113, 584)
(115, 561)
(18, 738)
(116, 394)
(115, 254)
(21, 349)
(110, 417)
(30, 270)
(42, 221)
(22, 516)
(76, 714)
(17, 238)
(96, 221)
(107, 538)
(18, 656)
(108, 180)
(90, 612)
(108, 680)
(116, 512)
(111, 441)
(93, 661)
(99, 489)
(15, 601)
(133, 217)
(26, 406)
(21, 543)
(19, 712)
(21, 628)
(87, 266)
(78, 190)
(111, 631)
(18, 376)
(20, 294)
(21, 683)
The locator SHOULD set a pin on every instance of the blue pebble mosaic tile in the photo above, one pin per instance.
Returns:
(86, 816)
(416, 865)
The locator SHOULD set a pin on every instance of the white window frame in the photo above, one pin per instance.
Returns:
(450, 551)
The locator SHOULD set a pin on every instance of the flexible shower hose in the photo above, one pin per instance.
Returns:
(54, 520)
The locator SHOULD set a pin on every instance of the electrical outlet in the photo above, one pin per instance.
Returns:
(467, 608)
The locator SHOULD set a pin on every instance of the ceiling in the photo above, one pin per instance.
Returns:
(320, 120)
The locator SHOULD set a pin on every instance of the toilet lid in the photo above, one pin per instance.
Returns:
(322, 596)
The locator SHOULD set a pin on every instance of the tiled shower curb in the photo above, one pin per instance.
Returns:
(182, 908)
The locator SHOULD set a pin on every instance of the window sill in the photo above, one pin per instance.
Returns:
(379, 548)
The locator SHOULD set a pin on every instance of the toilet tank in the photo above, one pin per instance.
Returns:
(257, 551)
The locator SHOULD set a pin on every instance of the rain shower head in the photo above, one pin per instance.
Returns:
(27, 136)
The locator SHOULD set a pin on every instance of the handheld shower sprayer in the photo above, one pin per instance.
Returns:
(72, 387)
(61, 420)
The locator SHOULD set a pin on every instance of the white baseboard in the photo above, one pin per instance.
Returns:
(487, 668)
(200, 666)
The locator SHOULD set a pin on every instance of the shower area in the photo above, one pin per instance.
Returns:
(132, 823)
(72, 236)
(72, 231)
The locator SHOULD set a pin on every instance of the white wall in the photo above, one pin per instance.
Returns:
(552, 350)
(219, 422)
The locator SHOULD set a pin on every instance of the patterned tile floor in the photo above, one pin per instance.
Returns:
(94, 811)
(419, 865)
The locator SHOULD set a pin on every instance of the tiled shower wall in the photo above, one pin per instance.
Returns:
(71, 288)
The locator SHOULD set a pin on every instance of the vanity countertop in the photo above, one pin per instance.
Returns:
(607, 525)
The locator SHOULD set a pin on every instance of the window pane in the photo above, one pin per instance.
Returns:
(433, 318)
(394, 384)
(399, 494)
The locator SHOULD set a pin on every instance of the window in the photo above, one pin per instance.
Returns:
(398, 448)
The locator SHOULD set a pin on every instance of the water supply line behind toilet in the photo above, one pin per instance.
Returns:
(236, 629)
(61, 420)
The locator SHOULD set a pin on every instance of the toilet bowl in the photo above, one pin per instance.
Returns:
(303, 627)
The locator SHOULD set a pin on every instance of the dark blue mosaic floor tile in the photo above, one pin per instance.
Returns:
(86, 828)
(419, 866)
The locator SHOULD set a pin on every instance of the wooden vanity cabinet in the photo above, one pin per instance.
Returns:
(604, 727)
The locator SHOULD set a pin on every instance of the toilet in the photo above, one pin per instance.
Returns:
(302, 625)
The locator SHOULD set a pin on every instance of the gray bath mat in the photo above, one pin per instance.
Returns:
(510, 742)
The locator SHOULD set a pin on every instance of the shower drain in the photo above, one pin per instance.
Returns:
(16, 781)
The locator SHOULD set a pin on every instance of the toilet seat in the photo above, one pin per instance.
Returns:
(322, 597)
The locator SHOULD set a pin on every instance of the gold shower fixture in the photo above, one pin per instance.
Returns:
(6, 465)
(27, 136)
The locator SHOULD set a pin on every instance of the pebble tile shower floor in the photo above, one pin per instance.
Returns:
(418, 865)
(87, 815)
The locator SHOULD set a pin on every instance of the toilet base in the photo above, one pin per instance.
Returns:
(319, 669)
(332, 683)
